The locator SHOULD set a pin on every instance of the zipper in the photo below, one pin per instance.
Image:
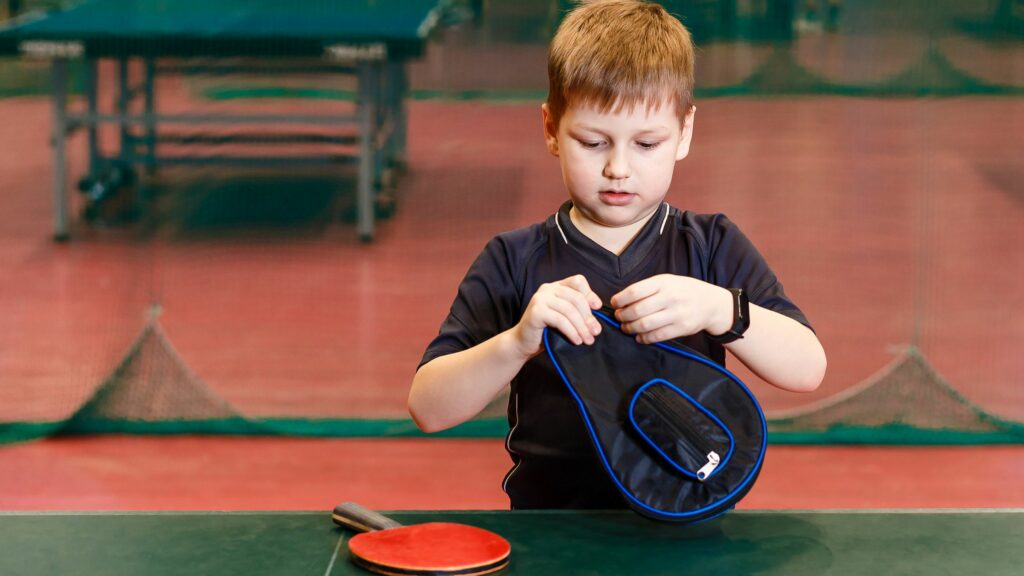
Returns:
(694, 443)
(708, 468)
(680, 423)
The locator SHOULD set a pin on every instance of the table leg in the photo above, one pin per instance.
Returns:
(92, 102)
(382, 105)
(122, 108)
(402, 123)
(368, 77)
(60, 206)
(150, 105)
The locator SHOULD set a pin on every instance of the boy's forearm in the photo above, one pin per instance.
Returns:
(782, 351)
(451, 389)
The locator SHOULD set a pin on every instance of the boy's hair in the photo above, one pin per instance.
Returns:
(620, 53)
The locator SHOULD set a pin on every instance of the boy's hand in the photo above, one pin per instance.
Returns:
(565, 306)
(667, 306)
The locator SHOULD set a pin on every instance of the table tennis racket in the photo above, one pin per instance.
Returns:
(434, 548)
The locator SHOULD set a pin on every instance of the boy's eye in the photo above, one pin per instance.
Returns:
(648, 145)
(590, 143)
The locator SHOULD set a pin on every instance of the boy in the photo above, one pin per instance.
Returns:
(618, 117)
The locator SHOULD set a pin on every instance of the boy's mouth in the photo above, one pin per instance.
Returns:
(615, 197)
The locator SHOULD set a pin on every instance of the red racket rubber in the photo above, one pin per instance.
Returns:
(434, 548)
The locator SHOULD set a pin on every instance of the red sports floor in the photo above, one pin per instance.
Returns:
(188, 473)
(879, 215)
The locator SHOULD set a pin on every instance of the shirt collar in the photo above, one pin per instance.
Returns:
(631, 257)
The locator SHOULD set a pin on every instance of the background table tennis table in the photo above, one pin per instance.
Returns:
(370, 39)
(543, 542)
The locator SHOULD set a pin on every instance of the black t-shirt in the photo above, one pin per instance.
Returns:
(554, 465)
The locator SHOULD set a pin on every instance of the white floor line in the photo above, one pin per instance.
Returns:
(335, 555)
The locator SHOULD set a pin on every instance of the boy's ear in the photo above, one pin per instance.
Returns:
(684, 142)
(550, 129)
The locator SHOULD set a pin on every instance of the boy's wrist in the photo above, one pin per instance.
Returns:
(515, 346)
(723, 315)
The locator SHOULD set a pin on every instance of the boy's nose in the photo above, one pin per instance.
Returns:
(616, 168)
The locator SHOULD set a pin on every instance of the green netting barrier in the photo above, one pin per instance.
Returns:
(779, 75)
(153, 392)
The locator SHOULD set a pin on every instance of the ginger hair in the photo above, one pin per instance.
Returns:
(615, 54)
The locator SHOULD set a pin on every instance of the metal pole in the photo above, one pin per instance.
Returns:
(92, 101)
(122, 107)
(401, 121)
(150, 113)
(382, 104)
(368, 75)
(60, 207)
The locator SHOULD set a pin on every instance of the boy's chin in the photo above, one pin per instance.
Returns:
(618, 218)
(615, 216)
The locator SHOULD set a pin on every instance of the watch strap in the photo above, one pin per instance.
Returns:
(740, 318)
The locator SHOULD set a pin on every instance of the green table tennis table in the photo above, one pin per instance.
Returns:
(372, 40)
(788, 543)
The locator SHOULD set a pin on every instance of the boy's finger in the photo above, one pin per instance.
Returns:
(557, 319)
(580, 284)
(639, 309)
(583, 304)
(563, 325)
(634, 292)
(648, 324)
(577, 330)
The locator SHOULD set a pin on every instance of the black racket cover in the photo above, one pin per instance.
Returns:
(682, 438)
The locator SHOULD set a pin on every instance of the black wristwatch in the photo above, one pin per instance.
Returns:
(740, 318)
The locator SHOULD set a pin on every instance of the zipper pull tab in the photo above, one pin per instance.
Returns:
(708, 468)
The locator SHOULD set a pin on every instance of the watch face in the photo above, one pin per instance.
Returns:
(741, 312)
(740, 318)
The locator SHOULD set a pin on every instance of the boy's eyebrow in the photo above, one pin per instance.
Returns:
(658, 130)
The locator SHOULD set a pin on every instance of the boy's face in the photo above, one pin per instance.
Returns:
(617, 165)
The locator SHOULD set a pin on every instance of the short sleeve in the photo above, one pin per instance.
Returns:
(734, 262)
(487, 304)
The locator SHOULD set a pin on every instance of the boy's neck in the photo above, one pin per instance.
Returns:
(614, 240)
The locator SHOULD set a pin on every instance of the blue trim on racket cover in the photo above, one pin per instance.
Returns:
(604, 460)
(696, 404)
